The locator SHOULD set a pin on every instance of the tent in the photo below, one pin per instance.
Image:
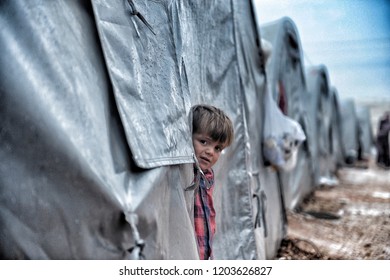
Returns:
(319, 105)
(286, 79)
(96, 152)
(366, 149)
(350, 130)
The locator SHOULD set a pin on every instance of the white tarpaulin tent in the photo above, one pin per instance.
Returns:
(285, 73)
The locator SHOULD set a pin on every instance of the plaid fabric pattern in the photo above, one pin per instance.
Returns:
(204, 216)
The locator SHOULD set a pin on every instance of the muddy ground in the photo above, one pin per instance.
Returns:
(347, 221)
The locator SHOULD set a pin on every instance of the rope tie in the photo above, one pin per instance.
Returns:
(136, 250)
(135, 12)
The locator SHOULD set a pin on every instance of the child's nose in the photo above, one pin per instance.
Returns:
(209, 151)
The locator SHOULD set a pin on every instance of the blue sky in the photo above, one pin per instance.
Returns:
(350, 37)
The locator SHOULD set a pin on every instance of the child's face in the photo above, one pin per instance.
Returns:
(207, 151)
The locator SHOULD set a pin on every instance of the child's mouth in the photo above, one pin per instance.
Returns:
(205, 159)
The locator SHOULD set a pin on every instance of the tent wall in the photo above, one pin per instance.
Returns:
(287, 83)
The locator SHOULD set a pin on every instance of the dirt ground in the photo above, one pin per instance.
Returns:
(348, 221)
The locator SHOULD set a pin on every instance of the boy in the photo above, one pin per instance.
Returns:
(212, 131)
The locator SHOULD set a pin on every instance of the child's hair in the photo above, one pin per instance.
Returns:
(213, 122)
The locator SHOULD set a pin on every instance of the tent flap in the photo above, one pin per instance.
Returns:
(144, 72)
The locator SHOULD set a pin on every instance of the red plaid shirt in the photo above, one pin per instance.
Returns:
(204, 216)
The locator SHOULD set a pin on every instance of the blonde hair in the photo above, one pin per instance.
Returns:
(213, 122)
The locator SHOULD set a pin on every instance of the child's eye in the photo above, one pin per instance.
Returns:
(203, 142)
(218, 149)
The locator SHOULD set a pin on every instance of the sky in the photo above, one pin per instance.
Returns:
(350, 37)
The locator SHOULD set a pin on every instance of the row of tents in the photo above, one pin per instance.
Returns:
(96, 151)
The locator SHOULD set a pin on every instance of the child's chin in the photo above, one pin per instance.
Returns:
(204, 167)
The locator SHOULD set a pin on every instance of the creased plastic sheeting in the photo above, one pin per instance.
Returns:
(250, 60)
(350, 131)
(287, 84)
(265, 221)
(68, 184)
(267, 207)
(319, 107)
(144, 69)
(211, 68)
(366, 136)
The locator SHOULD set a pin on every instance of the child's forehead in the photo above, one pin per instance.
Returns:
(204, 135)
